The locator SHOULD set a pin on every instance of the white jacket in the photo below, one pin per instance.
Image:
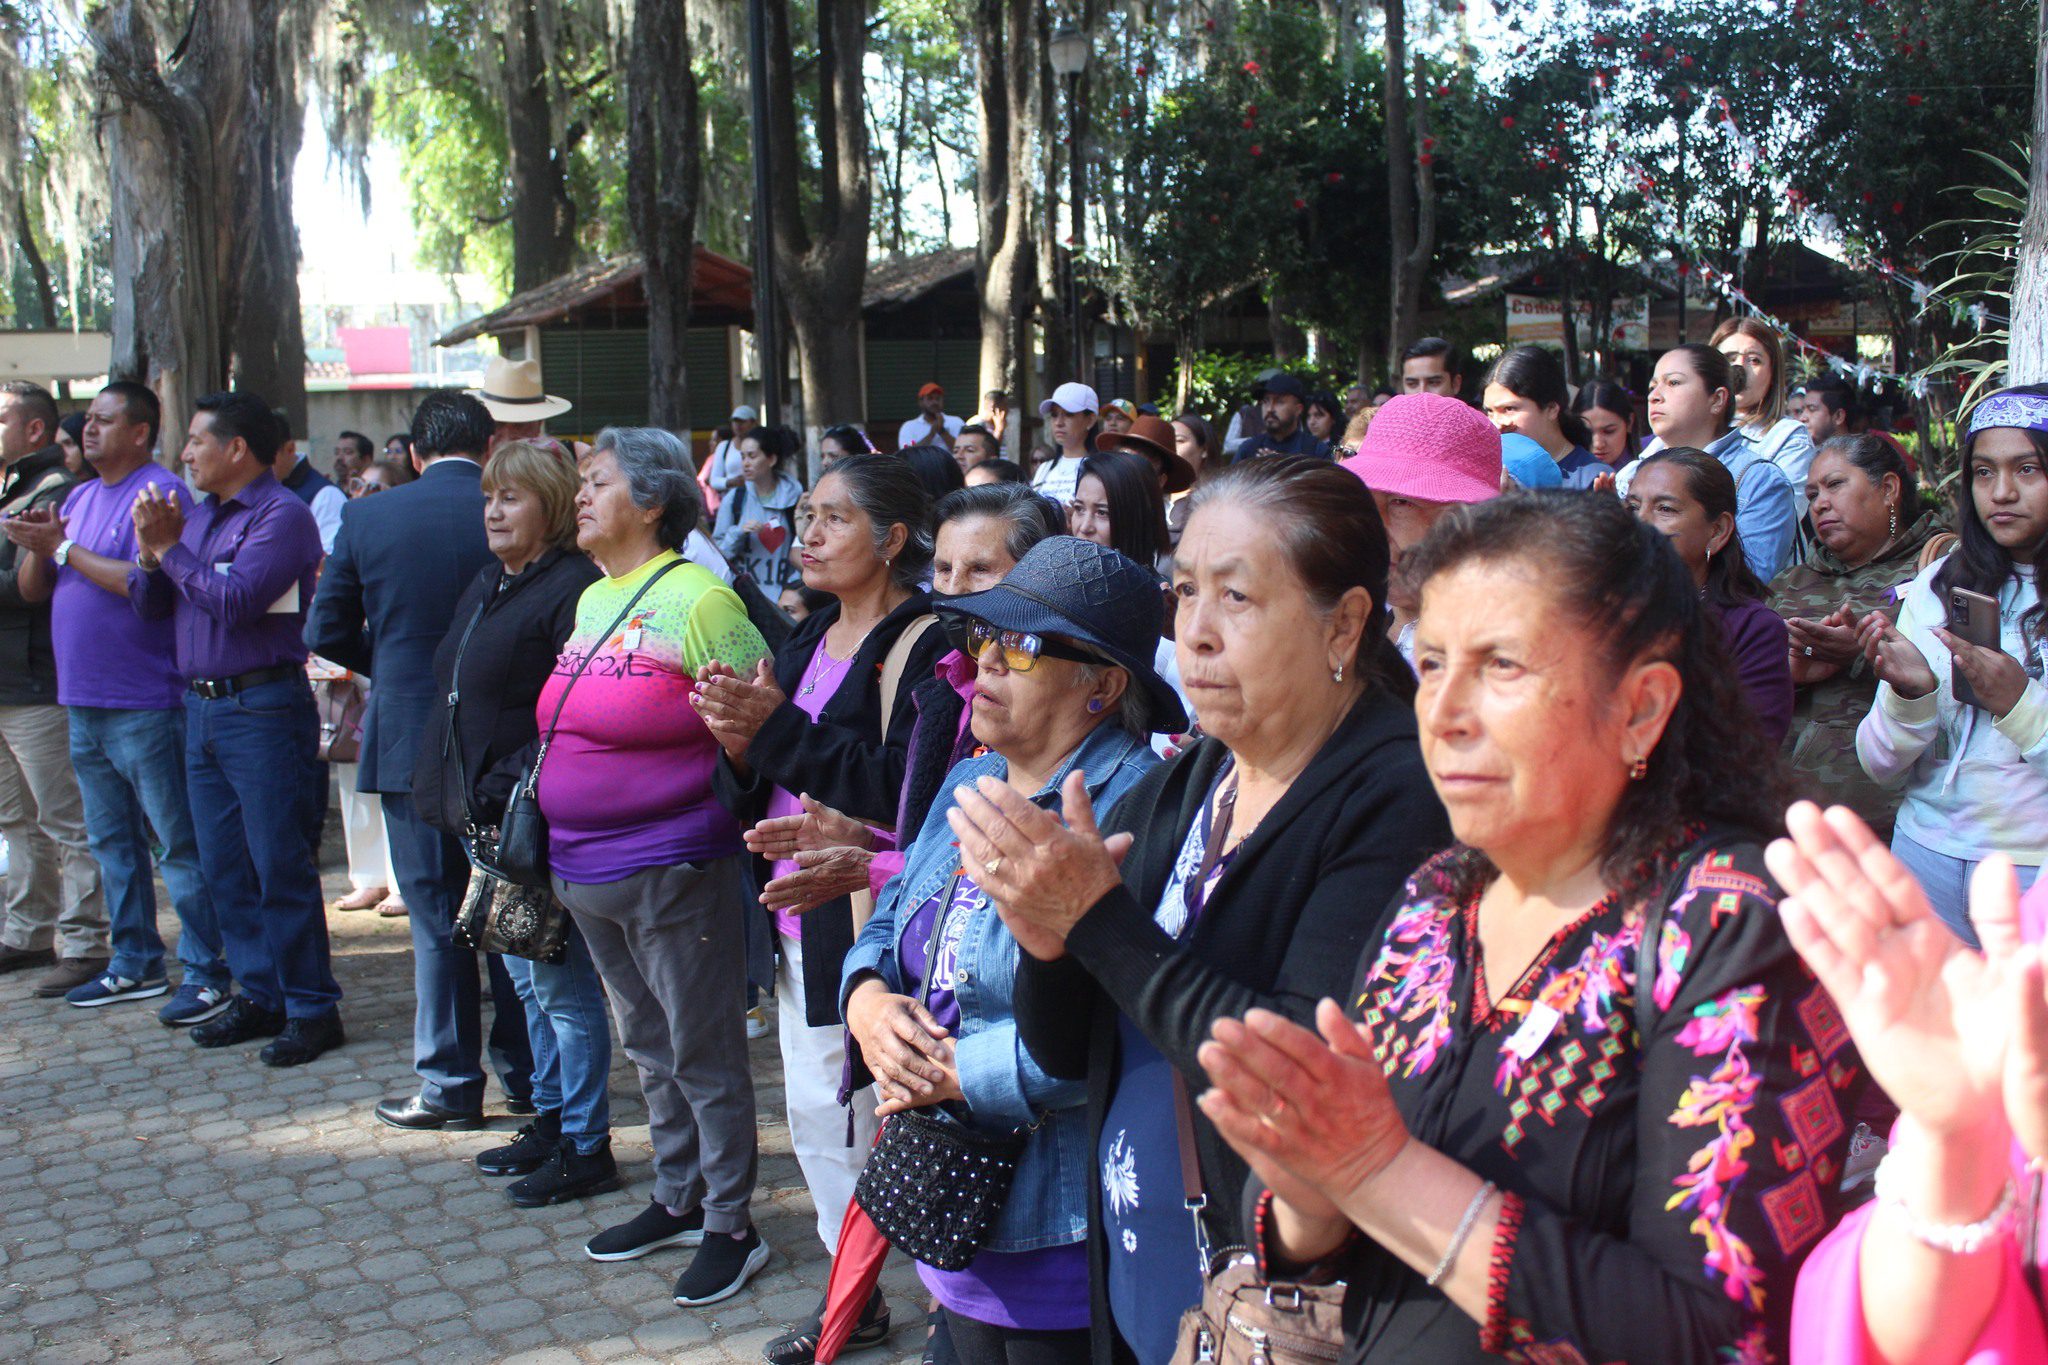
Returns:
(1975, 784)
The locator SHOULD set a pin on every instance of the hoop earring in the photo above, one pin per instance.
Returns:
(1639, 770)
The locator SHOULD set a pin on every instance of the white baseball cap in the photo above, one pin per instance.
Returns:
(743, 413)
(1073, 398)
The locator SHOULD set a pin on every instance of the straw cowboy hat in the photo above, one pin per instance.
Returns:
(513, 392)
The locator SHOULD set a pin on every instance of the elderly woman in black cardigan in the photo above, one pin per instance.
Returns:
(813, 725)
(1253, 868)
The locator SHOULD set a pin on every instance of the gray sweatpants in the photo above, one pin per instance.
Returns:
(669, 943)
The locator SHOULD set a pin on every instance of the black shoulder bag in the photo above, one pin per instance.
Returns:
(935, 1187)
(521, 855)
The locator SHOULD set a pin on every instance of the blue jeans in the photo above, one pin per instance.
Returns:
(131, 768)
(245, 774)
(1946, 881)
(447, 1017)
(572, 1040)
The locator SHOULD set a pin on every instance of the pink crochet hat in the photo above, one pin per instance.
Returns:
(1430, 448)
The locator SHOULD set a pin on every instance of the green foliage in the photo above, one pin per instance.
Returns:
(1220, 382)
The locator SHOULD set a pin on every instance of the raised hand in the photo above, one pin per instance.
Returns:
(1894, 658)
(819, 827)
(1041, 874)
(735, 708)
(822, 875)
(1928, 1014)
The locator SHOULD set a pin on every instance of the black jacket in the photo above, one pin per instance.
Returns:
(527, 618)
(388, 595)
(1283, 928)
(28, 668)
(843, 760)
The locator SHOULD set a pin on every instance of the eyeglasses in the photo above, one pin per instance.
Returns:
(1021, 650)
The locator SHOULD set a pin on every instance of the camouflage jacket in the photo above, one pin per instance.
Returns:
(1820, 748)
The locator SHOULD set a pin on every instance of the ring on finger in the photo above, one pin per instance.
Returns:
(1275, 1110)
(993, 865)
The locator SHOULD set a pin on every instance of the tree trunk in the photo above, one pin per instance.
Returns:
(1008, 133)
(543, 216)
(821, 257)
(38, 268)
(2028, 360)
(665, 144)
(1411, 187)
(174, 138)
(269, 339)
(1290, 342)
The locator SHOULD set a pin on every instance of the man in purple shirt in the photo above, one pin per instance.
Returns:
(235, 581)
(118, 681)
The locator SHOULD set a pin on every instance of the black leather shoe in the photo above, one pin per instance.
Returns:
(567, 1174)
(520, 1108)
(240, 1022)
(416, 1113)
(304, 1039)
(529, 1149)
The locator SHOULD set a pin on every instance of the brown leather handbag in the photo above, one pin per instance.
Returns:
(341, 702)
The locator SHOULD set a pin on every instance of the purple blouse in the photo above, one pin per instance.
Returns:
(1758, 641)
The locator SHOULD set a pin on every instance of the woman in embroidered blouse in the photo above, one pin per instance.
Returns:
(1256, 866)
(1506, 1149)
(1945, 1265)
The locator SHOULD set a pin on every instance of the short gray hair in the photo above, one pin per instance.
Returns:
(658, 473)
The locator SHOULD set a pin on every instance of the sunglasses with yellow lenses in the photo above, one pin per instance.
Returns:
(1021, 649)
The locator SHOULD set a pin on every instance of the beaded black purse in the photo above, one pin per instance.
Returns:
(934, 1187)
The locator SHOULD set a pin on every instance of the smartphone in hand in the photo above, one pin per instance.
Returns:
(1972, 617)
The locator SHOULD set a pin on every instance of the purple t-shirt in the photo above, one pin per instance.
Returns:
(106, 654)
(1035, 1291)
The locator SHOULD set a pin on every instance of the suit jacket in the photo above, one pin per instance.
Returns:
(1304, 896)
(388, 594)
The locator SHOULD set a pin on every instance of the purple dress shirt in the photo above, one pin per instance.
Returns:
(236, 560)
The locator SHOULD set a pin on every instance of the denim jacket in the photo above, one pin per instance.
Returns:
(1003, 1086)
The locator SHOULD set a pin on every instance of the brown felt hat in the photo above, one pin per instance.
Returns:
(1153, 436)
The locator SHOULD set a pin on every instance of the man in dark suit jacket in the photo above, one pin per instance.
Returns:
(400, 562)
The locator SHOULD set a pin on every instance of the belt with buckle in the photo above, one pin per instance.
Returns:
(213, 689)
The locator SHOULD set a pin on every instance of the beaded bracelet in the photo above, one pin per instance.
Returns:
(1472, 1212)
(1957, 1239)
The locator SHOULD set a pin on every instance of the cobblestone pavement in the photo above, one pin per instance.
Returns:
(163, 1203)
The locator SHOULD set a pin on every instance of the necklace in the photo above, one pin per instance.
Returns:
(814, 675)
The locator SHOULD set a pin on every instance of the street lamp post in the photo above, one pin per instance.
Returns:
(1068, 51)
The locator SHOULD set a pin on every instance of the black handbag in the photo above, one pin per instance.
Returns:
(520, 852)
(934, 1185)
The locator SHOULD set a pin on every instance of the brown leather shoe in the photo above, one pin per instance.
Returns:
(68, 973)
(21, 959)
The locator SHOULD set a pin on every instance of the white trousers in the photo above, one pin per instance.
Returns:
(362, 833)
(812, 1060)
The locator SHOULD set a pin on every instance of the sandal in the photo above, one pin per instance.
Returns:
(800, 1347)
(364, 898)
(392, 907)
(938, 1340)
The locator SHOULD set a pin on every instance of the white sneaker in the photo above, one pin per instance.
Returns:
(757, 1022)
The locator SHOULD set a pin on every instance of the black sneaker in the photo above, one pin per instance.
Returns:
(568, 1174)
(302, 1040)
(241, 1022)
(800, 1347)
(529, 1148)
(653, 1228)
(723, 1265)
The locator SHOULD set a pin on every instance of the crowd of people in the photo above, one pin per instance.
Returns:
(1369, 849)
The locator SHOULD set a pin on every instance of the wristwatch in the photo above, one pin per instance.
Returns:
(62, 552)
(146, 561)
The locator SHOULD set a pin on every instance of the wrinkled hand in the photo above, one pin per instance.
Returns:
(819, 827)
(39, 530)
(1894, 658)
(822, 875)
(1930, 1017)
(1832, 639)
(1999, 679)
(1046, 874)
(735, 708)
(1311, 1115)
(159, 521)
(909, 1052)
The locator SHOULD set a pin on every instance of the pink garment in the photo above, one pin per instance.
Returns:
(1827, 1326)
(957, 669)
(821, 679)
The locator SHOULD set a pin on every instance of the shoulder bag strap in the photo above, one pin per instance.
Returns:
(540, 755)
(454, 739)
(897, 661)
(1196, 1200)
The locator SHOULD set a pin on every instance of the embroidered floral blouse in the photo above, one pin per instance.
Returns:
(1659, 1198)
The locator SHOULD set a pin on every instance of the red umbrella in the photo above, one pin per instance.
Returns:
(856, 1267)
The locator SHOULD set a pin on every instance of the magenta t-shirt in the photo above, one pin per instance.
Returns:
(107, 655)
(822, 676)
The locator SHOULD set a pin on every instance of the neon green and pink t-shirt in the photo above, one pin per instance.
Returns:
(627, 781)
